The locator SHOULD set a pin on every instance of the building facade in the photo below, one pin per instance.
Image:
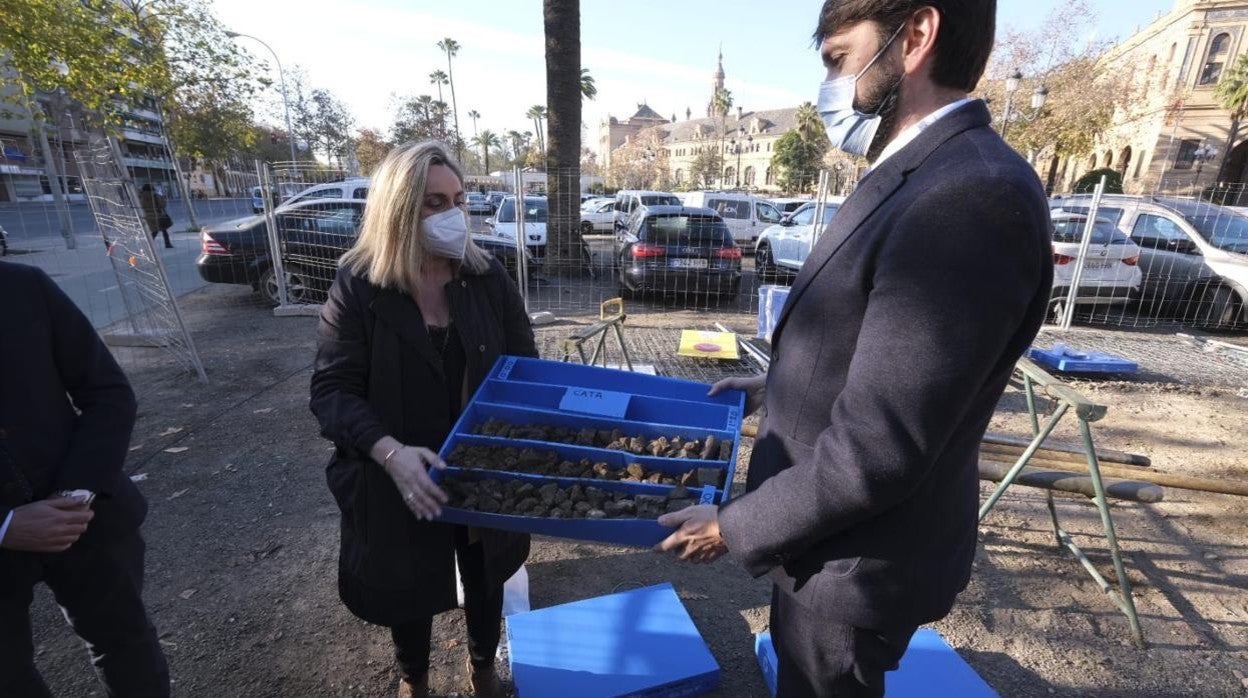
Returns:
(744, 140)
(1174, 137)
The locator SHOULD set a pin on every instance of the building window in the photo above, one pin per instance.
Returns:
(767, 178)
(729, 174)
(680, 176)
(749, 176)
(1187, 154)
(1219, 47)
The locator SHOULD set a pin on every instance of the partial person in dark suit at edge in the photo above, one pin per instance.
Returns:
(415, 319)
(897, 340)
(69, 515)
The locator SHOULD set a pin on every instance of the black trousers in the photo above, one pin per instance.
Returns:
(98, 587)
(483, 614)
(822, 659)
(165, 232)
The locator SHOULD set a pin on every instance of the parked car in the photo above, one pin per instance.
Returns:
(496, 198)
(479, 204)
(313, 234)
(629, 200)
(745, 214)
(783, 248)
(503, 224)
(597, 216)
(1193, 255)
(677, 249)
(1111, 272)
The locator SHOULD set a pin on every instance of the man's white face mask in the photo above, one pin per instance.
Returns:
(849, 129)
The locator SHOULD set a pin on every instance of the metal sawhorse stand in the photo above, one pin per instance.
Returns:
(1067, 399)
(611, 318)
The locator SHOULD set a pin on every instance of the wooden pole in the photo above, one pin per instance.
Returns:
(1182, 482)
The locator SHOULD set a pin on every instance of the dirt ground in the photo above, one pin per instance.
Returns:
(242, 547)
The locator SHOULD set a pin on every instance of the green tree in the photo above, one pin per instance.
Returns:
(796, 159)
(809, 123)
(706, 167)
(1232, 94)
(451, 48)
(474, 115)
(562, 20)
(537, 113)
(589, 89)
(439, 79)
(211, 127)
(1088, 182)
(370, 149)
(330, 125)
(485, 140)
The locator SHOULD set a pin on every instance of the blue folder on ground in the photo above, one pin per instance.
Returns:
(636, 643)
(930, 667)
(1070, 360)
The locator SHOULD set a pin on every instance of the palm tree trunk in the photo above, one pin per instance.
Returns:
(450, 76)
(1230, 145)
(563, 119)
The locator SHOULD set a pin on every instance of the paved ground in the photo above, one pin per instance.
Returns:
(243, 540)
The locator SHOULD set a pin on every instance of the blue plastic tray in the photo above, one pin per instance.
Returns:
(930, 667)
(1067, 360)
(521, 390)
(640, 642)
(642, 532)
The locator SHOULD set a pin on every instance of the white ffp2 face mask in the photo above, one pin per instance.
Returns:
(446, 233)
(849, 129)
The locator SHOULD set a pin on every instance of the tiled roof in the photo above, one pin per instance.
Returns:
(772, 122)
(645, 112)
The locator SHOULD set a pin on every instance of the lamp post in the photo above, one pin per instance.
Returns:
(1203, 154)
(1038, 99)
(281, 76)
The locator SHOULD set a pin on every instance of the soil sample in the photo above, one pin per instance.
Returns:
(552, 501)
(709, 448)
(533, 461)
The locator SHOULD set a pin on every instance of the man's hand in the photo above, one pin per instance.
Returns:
(697, 539)
(47, 526)
(752, 386)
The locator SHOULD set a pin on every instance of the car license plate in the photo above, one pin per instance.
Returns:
(1098, 263)
(689, 263)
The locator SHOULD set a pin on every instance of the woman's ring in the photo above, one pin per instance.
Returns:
(411, 496)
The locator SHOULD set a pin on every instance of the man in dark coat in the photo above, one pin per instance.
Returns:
(898, 338)
(69, 515)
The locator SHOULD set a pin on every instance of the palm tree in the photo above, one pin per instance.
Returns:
(537, 113)
(808, 121)
(588, 89)
(425, 102)
(562, 20)
(1232, 95)
(438, 78)
(721, 102)
(518, 141)
(487, 139)
(439, 116)
(474, 115)
(451, 47)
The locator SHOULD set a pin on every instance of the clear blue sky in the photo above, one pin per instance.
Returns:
(662, 52)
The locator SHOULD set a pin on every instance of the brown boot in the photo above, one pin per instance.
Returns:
(485, 682)
(419, 689)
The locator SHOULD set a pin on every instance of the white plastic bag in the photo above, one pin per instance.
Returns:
(515, 591)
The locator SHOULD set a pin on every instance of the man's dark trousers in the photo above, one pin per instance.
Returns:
(98, 587)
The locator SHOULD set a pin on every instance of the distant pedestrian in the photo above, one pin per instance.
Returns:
(155, 214)
(69, 515)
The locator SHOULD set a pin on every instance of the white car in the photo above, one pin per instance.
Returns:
(503, 224)
(1111, 271)
(784, 247)
(787, 206)
(597, 216)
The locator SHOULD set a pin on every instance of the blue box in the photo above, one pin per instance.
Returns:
(636, 643)
(526, 391)
(930, 667)
(771, 300)
(1067, 360)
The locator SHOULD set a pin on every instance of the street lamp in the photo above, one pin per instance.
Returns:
(1038, 98)
(736, 147)
(1203, 154)
(281, 76)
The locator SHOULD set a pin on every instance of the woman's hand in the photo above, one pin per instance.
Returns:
(753, 387)
(409, 467)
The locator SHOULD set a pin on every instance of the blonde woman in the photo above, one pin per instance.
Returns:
(415, 318)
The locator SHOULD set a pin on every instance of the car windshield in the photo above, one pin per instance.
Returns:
(1103, 233)
(685, 230)
(659, 200)
(476, 198)
(1224, 230)
(534, 211)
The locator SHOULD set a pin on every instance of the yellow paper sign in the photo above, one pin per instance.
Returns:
(708, 345)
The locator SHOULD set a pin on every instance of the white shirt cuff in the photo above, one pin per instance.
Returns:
(4, 528)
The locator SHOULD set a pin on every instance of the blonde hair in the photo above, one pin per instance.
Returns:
(390, 251)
